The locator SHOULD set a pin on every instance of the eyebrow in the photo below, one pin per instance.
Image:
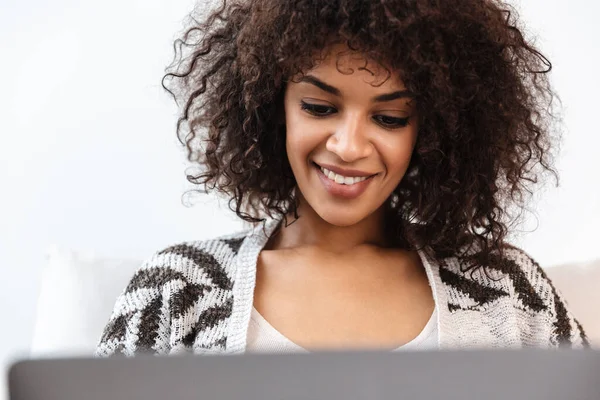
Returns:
(335, 91)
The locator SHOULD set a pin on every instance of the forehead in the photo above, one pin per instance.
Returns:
(339, 63)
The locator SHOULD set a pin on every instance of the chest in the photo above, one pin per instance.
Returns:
(343, 302)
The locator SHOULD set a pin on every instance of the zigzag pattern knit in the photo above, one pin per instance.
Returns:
(197, 297)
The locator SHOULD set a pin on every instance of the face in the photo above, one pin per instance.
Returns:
(349, 136)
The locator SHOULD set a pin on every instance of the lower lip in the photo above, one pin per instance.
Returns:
(346, 191)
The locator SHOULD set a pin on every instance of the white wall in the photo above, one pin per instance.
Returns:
(88, 154)
(89, 159)
(568, 216)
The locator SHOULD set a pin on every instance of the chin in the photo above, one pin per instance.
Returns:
(339, 216)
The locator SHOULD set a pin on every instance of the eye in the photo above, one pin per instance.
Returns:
(318, 110)
(391, 122)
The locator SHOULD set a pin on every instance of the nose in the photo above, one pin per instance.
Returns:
(350, 140)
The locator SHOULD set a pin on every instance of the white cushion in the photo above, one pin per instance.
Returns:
(77, 293)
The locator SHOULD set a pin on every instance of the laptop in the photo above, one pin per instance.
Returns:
(372, 375)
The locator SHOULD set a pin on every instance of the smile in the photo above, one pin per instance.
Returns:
(343, 186)
(342, 180)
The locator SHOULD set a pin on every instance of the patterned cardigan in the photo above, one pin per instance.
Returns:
(197, 297)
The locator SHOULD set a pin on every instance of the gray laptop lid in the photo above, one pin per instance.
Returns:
(547, 375)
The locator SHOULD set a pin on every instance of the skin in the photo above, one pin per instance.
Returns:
(330, 280)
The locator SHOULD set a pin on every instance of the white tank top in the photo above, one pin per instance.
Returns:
(264, 338)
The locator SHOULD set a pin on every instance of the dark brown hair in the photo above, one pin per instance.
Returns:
(482, 93)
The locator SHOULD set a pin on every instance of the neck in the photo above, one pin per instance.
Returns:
(310, 230)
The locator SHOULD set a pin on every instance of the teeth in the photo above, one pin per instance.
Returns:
(343, 180)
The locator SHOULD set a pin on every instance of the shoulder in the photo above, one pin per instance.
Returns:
(197, 261)
(514, 277)
(511, 273)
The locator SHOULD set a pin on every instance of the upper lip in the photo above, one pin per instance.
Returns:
(345, 172)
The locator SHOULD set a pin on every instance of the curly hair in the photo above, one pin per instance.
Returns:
(482, 92)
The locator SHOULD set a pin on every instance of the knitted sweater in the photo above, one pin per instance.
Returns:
(198, 296)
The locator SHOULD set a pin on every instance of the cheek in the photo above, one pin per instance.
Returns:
(302, 136)
(396, 153)
(293, 130)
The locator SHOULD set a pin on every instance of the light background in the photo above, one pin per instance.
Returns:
(89, 158)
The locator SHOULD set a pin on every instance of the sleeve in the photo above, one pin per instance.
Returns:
(565, 330)
(140, 320)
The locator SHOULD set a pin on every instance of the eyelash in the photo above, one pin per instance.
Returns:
(319, 110)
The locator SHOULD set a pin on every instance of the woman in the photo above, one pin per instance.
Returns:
(378, 148)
